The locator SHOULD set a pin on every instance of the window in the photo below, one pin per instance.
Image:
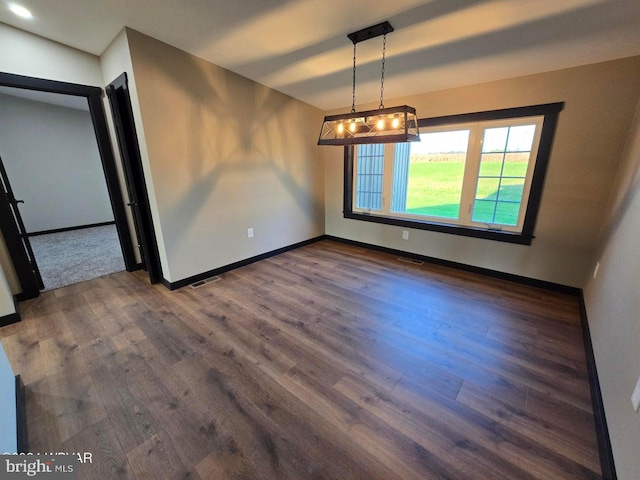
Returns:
(369, 179)
(478, 174)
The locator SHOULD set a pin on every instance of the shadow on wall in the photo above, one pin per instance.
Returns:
(627, 185)
(206, 125)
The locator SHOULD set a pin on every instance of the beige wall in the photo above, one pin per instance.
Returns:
(7, 268)
(7, 307)
(599, 104)
(224, 154)
(613, 309)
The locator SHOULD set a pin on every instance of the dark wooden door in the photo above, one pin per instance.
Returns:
(17, 240)
(120, 102)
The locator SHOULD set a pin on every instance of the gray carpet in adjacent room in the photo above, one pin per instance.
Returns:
(78, 255)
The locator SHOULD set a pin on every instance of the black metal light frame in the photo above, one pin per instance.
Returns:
(371, 126)
(383, 125)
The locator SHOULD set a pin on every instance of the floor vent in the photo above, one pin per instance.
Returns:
(204, 282)
(411, 260)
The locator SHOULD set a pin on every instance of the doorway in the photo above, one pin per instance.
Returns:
(124, 124)
(12, 225)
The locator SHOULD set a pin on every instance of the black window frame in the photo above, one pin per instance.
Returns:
(549, 111)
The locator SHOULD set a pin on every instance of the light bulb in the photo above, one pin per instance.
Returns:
(341, 128)
(380, 124)
(395, 123)
(20, 10)
(352, 126)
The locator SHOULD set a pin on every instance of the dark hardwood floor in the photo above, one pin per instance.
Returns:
(326, 362)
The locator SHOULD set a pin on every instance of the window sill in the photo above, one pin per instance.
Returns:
(500, 236)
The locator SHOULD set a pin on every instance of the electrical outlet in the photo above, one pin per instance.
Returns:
(635, 396)
(250, 232)
(595, 270)
(405, 234)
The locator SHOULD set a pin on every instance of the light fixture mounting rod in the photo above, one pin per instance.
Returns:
(370, 32)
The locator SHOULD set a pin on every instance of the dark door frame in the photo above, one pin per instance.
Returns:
(96, 110)
(122, 114)
(17, 241)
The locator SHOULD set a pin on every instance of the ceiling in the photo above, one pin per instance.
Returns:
(300, 47)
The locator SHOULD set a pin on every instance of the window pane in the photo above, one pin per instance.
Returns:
(488, 189)
(502, 174)
(433, 184)
(516, 164)
(521, 138)
(369, 178)
(507, 213)
(491, 164)
(484, 211)
(511, 190)
(401, 164)
(495, 139)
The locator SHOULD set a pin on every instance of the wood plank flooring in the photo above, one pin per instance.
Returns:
(326, 362)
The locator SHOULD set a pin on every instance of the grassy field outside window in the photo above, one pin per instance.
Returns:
(435, 185)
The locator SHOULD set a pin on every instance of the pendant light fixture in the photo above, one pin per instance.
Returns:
(383, 125)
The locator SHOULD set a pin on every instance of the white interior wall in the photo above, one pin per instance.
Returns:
(53, 163)
(613, 308)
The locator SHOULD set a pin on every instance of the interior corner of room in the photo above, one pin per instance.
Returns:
(231, 173)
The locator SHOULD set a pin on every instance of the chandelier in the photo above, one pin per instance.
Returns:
(382, 125)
